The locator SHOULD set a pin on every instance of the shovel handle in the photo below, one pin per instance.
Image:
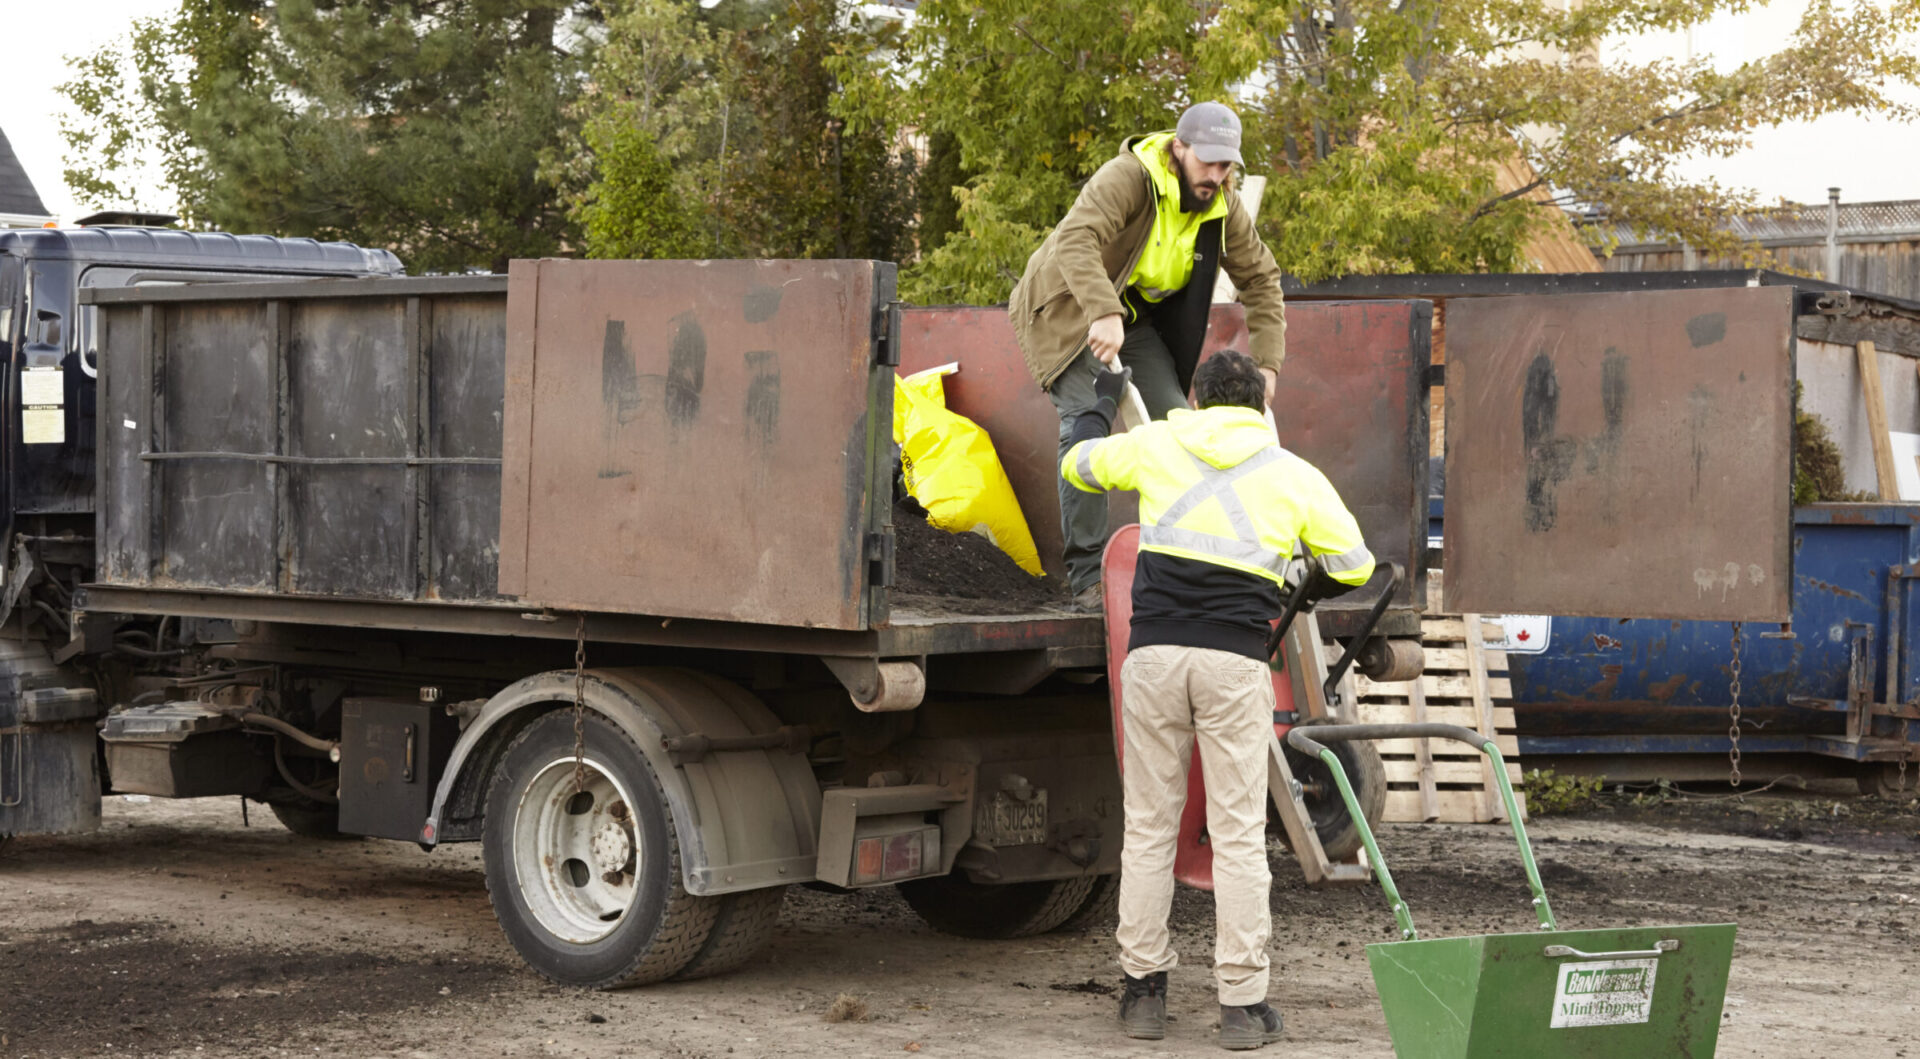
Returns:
(1136, 406)
(1311, 739)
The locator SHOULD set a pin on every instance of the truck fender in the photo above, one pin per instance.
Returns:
(746, 818)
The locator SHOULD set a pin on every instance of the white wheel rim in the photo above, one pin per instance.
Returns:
(576, 856)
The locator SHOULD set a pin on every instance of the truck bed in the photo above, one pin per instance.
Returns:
(922, 626)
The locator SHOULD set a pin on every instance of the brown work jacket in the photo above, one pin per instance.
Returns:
(1080, 271)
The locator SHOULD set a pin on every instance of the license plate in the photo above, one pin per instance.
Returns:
(1012, 821)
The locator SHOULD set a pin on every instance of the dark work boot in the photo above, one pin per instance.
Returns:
(1090, 600)
(1143, 1007)
(1249, 1026)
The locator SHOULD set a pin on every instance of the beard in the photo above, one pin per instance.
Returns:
(1189, 201)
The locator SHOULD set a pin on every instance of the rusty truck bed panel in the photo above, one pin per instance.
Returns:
(1352, 401)
(327, 438)
(701, 439)
(343, 441)
(1627, 454)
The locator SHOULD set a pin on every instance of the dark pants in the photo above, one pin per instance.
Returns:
(1083, 516)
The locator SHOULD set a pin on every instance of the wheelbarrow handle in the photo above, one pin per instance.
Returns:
(1312, 738)
(1297, 604)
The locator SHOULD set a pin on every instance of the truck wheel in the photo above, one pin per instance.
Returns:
(310, 819)
(1881, 779)
(953, 904)
(741, 928)
(587, 884)
(1100, 910)
(1339, 836)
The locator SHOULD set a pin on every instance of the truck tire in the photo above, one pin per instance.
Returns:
(618, 916)
(310, 819)
(1339, 836)
(741, 928)
(954, 904)
(1100, 910)
(1882, 779)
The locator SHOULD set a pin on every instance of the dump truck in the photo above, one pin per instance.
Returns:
(593, 564)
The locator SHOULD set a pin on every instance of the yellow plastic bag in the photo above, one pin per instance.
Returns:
(952, 470)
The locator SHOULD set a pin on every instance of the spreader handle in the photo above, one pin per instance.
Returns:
(1309, 739)
(1664, 946)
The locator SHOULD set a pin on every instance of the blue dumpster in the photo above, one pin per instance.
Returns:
(1835, 681)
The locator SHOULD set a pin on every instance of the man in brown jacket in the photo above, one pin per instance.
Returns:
(1129, 275)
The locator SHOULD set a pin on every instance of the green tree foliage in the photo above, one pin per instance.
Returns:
(413, 126)
(634, 208)
(806, 185)
(939, 210)
(1036, 96)
(654, 125)
(1423, 99)
(113, 127)
(739, 108)
(1380, 123)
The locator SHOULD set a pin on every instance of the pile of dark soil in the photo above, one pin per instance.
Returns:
(962, 572)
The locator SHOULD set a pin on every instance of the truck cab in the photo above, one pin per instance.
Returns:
(49, 345)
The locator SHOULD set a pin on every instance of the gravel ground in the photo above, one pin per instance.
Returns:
(176, 931)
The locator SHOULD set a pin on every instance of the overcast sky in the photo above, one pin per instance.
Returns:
(1869, 159)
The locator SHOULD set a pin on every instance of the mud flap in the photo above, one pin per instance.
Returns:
(49, 771)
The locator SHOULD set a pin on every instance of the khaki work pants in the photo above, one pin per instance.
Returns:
(1169, 696)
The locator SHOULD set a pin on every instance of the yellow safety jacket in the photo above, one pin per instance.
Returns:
(1215, 487)
(1166, 262)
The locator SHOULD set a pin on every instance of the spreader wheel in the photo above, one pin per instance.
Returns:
(1339, 836)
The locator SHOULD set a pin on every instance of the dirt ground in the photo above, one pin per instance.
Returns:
(175, 932)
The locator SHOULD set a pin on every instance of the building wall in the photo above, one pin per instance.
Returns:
(1829, 377)
(1891, 267)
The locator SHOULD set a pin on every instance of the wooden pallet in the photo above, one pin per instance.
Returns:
(1442, 780)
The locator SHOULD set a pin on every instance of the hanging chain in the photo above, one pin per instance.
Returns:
(580, 706)
(1733, 715)
(1906, 748)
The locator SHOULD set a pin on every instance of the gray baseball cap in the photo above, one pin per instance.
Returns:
(1212, 130)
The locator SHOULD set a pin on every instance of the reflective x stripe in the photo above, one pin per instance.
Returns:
(1217, 484)
(1208, 544)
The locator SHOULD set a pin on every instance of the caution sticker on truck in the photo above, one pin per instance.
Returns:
(43, 413)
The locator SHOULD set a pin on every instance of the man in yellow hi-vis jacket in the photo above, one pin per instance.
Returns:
(1224, 511)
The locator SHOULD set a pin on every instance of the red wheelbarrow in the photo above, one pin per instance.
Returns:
(1304, 797)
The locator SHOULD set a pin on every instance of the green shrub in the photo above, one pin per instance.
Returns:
(1549, 792)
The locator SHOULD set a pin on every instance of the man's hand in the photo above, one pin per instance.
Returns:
(1273, 380)
(1105, 336)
